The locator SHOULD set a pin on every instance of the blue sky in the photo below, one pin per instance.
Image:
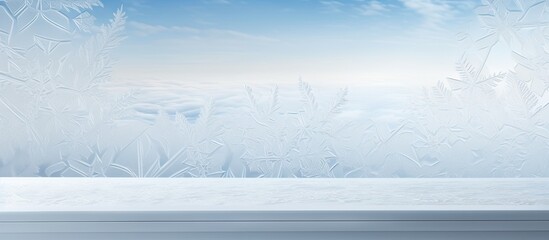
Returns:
(355, 41)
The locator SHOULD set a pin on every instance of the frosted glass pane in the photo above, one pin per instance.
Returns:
(227, 88)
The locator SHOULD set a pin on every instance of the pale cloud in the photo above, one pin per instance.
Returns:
(438, 17)
(372, 8)
(241, 35)
(144, 29)
(135, 6)
(219, 1)
(434, 12)
(333, 6)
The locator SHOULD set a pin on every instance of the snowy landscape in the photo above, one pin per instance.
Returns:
(69, 109)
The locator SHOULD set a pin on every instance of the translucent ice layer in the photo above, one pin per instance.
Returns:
(62, 113)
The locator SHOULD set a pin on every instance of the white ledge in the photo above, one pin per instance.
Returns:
(120, 208)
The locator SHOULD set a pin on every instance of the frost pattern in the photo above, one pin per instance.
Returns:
(52, 107)
(58, 117)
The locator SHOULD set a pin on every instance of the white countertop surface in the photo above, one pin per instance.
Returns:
(38, 197)
(103, 194)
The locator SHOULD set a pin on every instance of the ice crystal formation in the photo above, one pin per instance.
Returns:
(58, 117)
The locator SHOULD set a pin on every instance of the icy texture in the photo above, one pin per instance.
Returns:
(31, 194)
(59, 114)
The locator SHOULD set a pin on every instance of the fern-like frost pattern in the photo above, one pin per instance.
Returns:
(60, 117)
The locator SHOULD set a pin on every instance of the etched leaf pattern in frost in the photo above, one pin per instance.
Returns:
(49, 90)
(60, 117)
